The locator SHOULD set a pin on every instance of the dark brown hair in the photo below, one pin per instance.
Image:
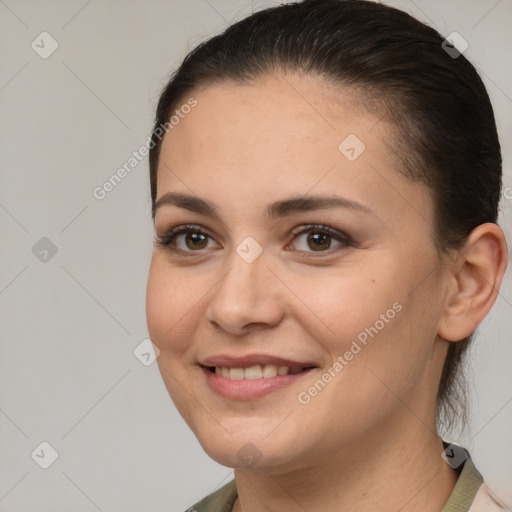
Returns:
(444, 128)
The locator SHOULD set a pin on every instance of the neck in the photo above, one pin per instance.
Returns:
(404, 473)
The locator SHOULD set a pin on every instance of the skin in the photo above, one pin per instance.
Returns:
(368, 440)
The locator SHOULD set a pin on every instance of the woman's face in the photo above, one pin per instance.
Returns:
(352, 306)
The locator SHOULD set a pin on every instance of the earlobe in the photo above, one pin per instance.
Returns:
(476, 277)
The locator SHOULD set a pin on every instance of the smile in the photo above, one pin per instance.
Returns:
(252, 382)
(258, 371)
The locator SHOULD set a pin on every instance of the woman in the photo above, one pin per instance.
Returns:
(325, 204)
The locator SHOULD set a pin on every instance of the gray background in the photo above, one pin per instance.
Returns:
(69, 325)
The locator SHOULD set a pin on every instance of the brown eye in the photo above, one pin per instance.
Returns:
(318, 238)
(186, 238)
(196, 240)
(318, 241)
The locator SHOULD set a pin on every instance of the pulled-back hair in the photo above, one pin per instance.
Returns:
(444, 131)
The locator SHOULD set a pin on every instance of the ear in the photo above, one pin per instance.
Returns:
(475, 275)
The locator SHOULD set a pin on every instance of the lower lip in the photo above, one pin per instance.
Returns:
(248, 389)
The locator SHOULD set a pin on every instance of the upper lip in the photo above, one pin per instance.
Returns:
(228, 361)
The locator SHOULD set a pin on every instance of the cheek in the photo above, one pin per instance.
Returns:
(349, 303)
(172, 302)
(170, 313)
(374, 323)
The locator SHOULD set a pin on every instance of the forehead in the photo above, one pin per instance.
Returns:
(277, 112)
(280, 136)
(263, 124)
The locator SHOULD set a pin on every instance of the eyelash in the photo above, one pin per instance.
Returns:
(167, 238)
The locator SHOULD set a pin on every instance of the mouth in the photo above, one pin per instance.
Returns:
(258, 371)
(253, 376)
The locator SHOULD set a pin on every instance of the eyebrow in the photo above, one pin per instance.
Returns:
(280, 208)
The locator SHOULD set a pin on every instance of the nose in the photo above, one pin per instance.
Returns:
(247, 297)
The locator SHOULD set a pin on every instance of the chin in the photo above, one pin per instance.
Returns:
(248, 449)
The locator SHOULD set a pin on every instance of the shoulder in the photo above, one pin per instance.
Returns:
(486, 501)
(221, 500)
(470, 494)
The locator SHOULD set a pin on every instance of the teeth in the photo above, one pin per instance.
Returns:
(283, 370)
(236, 373)
(269, 371)
(266, 371)
(254, 372)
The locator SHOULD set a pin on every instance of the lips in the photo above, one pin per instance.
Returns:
(251, 376)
